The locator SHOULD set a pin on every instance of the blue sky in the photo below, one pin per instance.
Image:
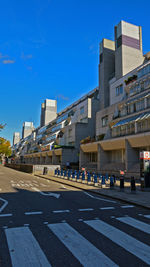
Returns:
(49, 49)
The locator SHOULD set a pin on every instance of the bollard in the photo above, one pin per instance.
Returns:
(61, 173)
(122, 183)
(45, 170)
(95, 180)
(65, 174)
(111, 182)
(103, 183)
(133, 187)
(69, 174)
(83, 177)
(55, 172)
(73, 176)
(58, 173)
(89, 178)
(114, 178)
(142, 183)
(106, 177)
(79, 177)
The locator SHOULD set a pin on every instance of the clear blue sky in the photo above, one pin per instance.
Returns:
(49, 49)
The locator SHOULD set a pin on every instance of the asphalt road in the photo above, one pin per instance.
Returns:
(43, 223)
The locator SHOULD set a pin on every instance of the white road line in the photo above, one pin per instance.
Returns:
(33, 213)
(6, 215)
(86, 253)
(48, 194)
(24, 249)
(147, 216)
(103, 199)
(89, 209)
(107, 208)
(135, 223)
(127, 206)
(137, 248)
(60, 211)
(4, 205)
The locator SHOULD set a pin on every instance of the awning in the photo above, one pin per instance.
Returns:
(132, 119)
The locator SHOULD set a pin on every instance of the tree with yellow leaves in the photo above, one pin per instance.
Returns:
(5, 147)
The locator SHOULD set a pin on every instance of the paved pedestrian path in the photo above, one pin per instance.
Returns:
(140, 198)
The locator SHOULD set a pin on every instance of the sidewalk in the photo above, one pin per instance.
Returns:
(140, 198)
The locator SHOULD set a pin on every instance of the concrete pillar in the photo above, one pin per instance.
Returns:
(131, 155)
(102, 157)
(54, 159)
(145, 102)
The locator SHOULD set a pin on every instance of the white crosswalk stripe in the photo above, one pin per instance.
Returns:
(135, 223)
(147, 216)
(24, 249)
(137, 248)
(82, 249)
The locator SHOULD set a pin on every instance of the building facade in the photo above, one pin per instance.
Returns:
(58, 142)
(123, 126)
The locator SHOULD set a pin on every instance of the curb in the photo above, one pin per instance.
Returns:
(94, 192)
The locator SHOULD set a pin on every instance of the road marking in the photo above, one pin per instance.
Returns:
(24, 249)
(103, 199)
(127, 206)
(6, 215)
(60, 211)
(107, 208)
(33, 213)
(4, 205)
(46, 194)
(147, 216)
(86, 253)
(89, 209)
(122, 239)
(135, 223)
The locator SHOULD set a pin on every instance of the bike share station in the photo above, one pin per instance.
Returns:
(145, 169)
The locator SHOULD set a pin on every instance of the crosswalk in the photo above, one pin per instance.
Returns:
(25, 250)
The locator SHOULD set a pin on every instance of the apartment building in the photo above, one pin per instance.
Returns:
(123, 125)
(59, 140)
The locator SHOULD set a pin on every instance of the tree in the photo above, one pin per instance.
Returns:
(5, 147)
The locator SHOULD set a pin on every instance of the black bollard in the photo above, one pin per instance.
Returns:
(122, 183)
(45, 170)
(133, 187)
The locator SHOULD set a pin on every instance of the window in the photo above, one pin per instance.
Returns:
(140, 105)
(81, 110)
(104, 121)
(119, 90)
(148, 102)
(70, 133)
(93, 157)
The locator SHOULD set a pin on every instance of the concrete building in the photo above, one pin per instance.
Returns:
(16, 138)
(27, 129)
(48, 111)
(59, 141)
(123, 126)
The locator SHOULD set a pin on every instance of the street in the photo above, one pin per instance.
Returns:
(45, 223)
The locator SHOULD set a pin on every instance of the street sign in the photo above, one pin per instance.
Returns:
(145, 155)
